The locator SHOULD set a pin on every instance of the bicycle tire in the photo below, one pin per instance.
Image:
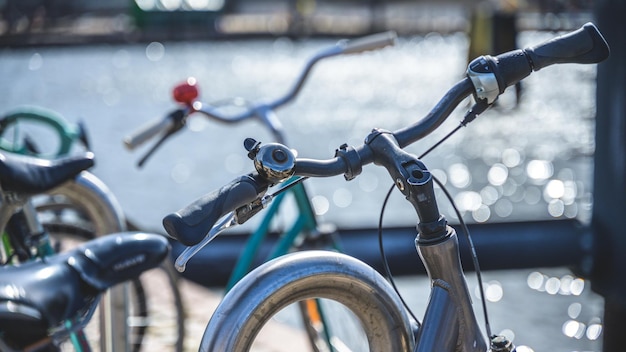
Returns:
(85, 209)
(304, 275)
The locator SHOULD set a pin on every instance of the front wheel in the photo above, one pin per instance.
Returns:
(300, 276)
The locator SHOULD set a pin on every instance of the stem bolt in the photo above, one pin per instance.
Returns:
(400, 184)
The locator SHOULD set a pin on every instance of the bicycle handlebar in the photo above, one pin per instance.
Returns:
(585, 45)
(492, 76)
(188, 94)
(354, 46)
(369, 43)
(193, 222)
(148, 131)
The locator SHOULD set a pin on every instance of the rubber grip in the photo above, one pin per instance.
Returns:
(582, 46)
(370, 42)
(192, 223)
(512, 67)
(148, 131)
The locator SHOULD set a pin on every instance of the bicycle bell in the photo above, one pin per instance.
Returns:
(273, 161)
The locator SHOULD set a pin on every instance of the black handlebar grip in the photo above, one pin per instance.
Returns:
(512, 67)
(582, 46)
(191, 224)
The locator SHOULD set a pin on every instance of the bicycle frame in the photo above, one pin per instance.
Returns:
(449, 307)
(90, 190)
(26, 229)
(22, 207)
(68, 134)
(90, 193)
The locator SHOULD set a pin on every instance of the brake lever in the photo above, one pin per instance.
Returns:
(178, 116)
(237, 217)
(227, 221)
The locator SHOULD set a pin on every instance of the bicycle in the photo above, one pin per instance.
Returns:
(45, 303)
(49, 298)
(305, 232)
(449, 323)
(82, 209)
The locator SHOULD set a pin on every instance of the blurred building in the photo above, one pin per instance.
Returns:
(42, 22)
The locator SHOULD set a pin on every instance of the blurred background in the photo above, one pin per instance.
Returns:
(114, 64)
(40, 22)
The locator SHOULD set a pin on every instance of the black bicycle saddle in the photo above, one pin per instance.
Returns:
(30, 175)
(41, 294)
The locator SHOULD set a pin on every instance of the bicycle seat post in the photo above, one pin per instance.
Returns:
(10, 202)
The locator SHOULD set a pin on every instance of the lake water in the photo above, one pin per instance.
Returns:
(533, 162)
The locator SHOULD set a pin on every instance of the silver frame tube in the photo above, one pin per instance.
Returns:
(309, 274)
(443, 264)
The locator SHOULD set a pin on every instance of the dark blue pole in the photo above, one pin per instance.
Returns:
(608, 276)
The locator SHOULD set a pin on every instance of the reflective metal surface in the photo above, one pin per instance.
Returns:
(294, 277)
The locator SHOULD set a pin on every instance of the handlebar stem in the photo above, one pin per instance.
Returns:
(411, 177)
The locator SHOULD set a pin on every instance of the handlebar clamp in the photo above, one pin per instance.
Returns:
(352, 160)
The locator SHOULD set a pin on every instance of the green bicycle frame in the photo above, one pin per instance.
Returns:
(67, 133)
